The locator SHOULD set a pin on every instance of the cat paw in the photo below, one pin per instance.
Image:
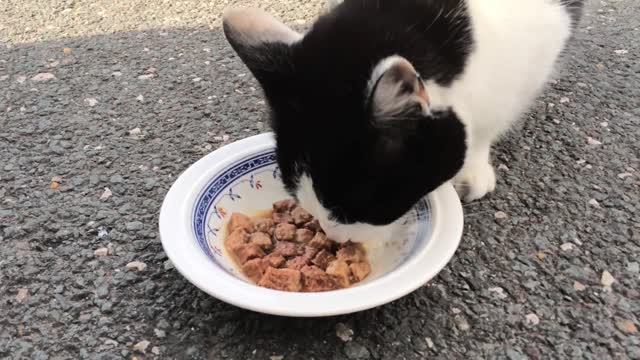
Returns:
(475, 180)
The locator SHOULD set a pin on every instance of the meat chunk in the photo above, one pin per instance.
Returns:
(285, 232)
(303, 235)
(300, 216)
(264, 225)
(238, 220)
(360, 270)
(351, 253)
(274, 260)
(296, 263)
(280, 218)
(319, 240)
(237, 239)
(261, 239)
(340, 272)
(309, 253)
(314, 279)
(282, 279)
(313, 225)
(286, 249)
(284, 205)
(323, 259)
(254, 269)
(248, 252)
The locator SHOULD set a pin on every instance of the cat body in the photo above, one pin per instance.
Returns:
(383, 101)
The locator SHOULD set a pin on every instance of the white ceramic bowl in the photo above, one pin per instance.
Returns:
(244, 177)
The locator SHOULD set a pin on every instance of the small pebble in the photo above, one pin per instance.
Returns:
(91, 101)
(625, 175)
(626, 326)
(592, 141)
(503, 167)
(155, 350)
(141, 346)
(43, 77)
(607, 279)
(139, 265)
(276, 357)
(23, 294)
(621, 52)
(461, 323)
(344, 332)
(102, 291)
(103, 233)
(564, 100)
(160, 333)
(134, 225)
(500, 215)
(106, 194)
(532, 319)
(101, 252)
(146, 77)
(604, 124)
(135, 131)
(429, 342)
(106, 307)
(578, 286)
(567, 246)
(499, 292)
(594, 203)
(140, 98)
(168, 265)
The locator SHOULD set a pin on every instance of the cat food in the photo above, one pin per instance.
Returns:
(287, 250)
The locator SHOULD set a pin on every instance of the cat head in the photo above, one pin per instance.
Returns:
(358, 143)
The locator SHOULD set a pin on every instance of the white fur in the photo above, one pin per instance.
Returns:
(516, 46)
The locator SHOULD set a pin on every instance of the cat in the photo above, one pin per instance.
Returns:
(381, 102)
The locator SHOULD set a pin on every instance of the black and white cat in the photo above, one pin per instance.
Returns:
(383, 101)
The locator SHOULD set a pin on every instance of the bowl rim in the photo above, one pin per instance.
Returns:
(188, 258)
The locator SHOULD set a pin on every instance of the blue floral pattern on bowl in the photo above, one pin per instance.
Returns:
(253, 184)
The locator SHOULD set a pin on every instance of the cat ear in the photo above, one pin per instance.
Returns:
(261, 40)
(396, 88)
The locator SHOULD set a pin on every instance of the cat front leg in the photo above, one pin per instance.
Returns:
(477, 177)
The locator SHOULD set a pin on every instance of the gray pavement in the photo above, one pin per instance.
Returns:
(125, 95)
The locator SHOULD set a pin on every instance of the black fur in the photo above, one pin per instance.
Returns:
(364, 169)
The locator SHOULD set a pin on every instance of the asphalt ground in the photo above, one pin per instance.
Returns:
(125, 95)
